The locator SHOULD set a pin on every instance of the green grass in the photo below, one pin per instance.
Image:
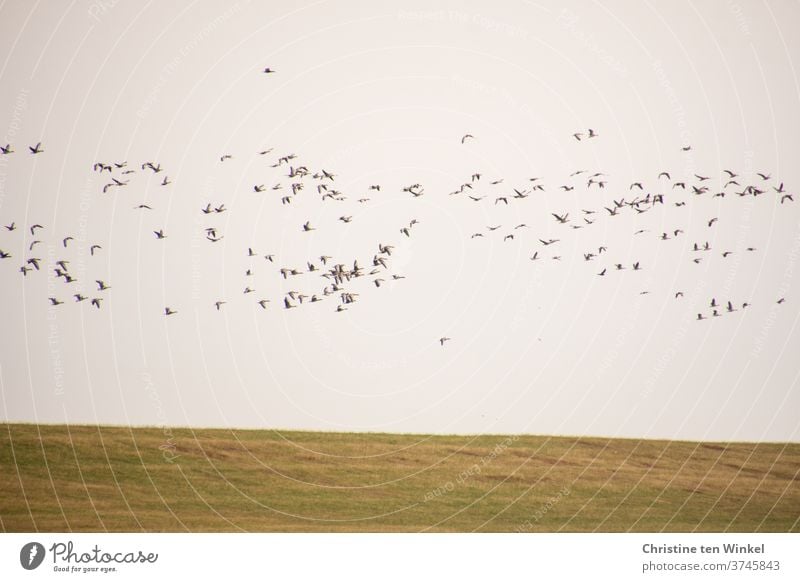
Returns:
(89, 478)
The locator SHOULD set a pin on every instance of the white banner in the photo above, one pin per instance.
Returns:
(373, 557)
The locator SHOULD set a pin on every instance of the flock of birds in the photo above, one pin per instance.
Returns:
(328, 278)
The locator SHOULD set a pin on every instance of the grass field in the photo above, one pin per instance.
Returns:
(88, 478)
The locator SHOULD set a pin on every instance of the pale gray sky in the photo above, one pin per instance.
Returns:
(382, 95)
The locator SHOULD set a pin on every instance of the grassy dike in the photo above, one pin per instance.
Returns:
(90, 478)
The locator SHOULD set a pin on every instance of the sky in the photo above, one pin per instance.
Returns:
(381, 95)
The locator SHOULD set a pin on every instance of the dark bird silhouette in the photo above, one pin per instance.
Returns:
(6, 149)
(11, 227)
(101, 286)
(169, 311)
(159, 234)
(443, 339)
(37, 149)
(93, 248)
(467, 136)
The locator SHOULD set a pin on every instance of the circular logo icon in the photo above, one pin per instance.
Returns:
(31, 555)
